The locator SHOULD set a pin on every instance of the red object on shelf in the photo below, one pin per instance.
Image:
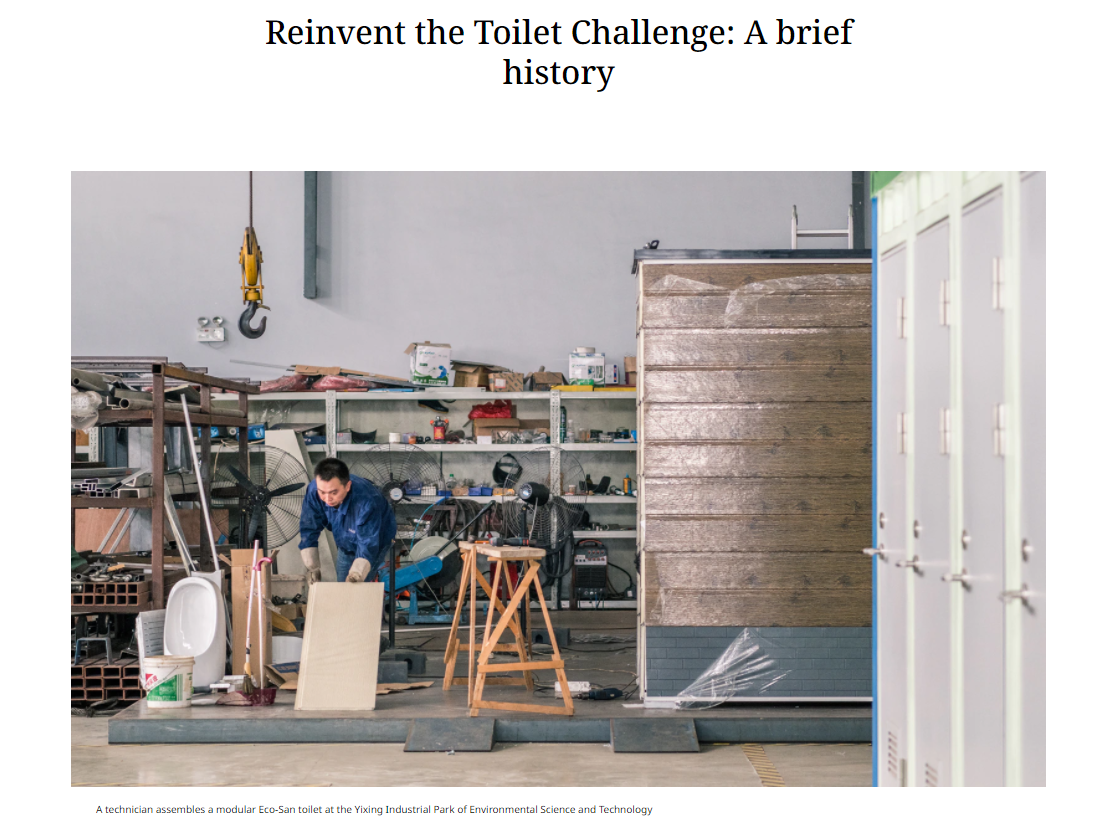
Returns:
(494, 409)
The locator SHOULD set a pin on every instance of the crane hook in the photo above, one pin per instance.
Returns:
(245, 321)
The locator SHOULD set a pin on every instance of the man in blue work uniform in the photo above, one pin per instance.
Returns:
(360, 519)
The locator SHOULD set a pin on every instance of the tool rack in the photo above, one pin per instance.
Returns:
(157, 418)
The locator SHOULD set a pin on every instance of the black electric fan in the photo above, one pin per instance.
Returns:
(540, 512)
(271, 491)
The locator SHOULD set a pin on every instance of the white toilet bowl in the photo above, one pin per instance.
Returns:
(195, 627)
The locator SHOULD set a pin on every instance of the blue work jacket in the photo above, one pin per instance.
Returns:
(363, 524)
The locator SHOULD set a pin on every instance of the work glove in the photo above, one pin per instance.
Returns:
(359, 570)
(311, 558)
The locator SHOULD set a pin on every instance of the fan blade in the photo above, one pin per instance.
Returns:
(290, 489)
(243, 481)
(256, 518)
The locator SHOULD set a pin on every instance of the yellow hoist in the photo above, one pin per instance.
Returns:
(251, 266)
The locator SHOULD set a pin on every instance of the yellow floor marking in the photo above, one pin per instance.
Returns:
(766, 770)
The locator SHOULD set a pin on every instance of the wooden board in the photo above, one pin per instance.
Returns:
(808, 346)
(260, 649)
(339, 655)
(757, 421)
(778, 533)
(93, 523)
(850, 572)
(758, 609)
(678, 311)
(731, 385)
(788, 458)
(755, 495)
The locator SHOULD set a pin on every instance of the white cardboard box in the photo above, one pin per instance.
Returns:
(429, 363)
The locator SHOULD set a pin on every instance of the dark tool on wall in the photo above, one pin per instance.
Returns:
(251, 269)
(397, 470)
(271, 493)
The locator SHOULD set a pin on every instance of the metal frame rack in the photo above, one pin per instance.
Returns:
(158, 418)
(556, 398)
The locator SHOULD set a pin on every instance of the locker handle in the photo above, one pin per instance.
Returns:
(1022, 594)
(962, 577)
(912, 563)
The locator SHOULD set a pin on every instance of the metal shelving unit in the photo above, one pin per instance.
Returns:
(158, 418)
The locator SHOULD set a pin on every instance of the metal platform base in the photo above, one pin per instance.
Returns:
(399, 717)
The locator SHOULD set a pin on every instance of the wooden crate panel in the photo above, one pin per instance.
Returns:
(758, 532)
(758, 609)
(728, 309)
(803, 383)
(756, 347)
(755, 278)
(755, 495)
(758, 571)
(757, 421)
(806, 458)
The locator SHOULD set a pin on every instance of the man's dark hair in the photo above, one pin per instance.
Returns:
(332, 467)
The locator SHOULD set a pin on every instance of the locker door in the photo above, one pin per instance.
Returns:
(931, 522)
(1032, 432)
(891, 519)
(983, 417)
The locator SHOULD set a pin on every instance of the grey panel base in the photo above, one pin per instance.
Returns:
(458, 735)
(393, 672)
(395, 715)
(653, 736)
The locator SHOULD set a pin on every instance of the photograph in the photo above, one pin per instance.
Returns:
(602, 479)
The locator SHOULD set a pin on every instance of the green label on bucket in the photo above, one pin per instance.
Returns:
(170, 689)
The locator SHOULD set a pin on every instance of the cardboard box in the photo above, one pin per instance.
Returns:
(542, 381)
(631, 379)
(631, 370)
(474, 374)
(507, 382)
(429, 363)
(241, 586)
(489, 427)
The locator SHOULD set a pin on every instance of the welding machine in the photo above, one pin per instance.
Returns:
(589, 568)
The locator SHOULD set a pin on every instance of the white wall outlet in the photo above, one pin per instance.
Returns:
(575, 688)
(210, 335)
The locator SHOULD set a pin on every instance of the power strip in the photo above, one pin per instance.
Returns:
(575, 688)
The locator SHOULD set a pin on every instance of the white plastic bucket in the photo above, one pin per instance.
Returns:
(168, 681)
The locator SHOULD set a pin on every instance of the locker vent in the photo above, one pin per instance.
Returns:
(893, 756)
(930, 775)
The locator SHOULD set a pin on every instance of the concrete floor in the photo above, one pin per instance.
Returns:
(93, 762)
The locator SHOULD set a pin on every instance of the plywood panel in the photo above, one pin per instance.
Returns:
(759, 385)
(677, 311)
(758, 609)
(806, 458)
(758, 532)
(758, 571)
(339, 655)
(756, 421)
(755, 279)
(755, 495)
(755, 347)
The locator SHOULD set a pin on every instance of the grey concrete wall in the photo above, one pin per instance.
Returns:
(813, 662)
(512, 268)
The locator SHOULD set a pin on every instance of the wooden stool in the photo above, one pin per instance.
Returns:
(530, 559)
(469, 578)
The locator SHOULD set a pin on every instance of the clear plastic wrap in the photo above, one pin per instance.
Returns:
(287, 383)
(341, 383)
(743, 669)
(84, 408)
